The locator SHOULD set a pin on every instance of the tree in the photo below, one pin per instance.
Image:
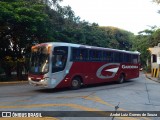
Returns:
(141, 44)
(118, 38)
(146, 38)
(22, 24)
(157, 1)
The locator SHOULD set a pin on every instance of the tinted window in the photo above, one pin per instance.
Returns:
(127, 58)
(108, 56)
(59, 58)
(121, 56)
(118, 57)
(95, 55)
(79, 54)
(135, 59)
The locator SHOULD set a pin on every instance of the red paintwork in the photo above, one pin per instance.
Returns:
(35, 77)
(87, 70)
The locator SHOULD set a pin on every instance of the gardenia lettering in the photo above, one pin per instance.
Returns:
(129, 67)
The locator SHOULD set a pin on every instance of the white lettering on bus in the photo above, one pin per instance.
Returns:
(129, 67)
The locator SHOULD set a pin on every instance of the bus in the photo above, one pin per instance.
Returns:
(59, 65)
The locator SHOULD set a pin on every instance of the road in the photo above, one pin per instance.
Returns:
(139, 94)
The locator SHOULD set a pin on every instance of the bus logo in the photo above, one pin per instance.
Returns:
(114, 70)
(108, 70)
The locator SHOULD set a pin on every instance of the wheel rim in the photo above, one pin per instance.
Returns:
(75, 83)
(121, 79)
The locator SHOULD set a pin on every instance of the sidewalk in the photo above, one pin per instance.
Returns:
(13, 82)
(148, 75)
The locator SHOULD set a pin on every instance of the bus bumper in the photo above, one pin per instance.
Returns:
(42, 83)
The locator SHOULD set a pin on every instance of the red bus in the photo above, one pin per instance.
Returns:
(57, 65)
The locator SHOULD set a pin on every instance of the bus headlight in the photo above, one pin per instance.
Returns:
(44, 79)
(29, 78)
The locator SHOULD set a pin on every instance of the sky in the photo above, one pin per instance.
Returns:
(130, 15)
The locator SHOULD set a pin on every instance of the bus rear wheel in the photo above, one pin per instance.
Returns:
(76, 83)
(121, 79)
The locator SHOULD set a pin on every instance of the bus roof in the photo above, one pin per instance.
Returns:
(87, 46)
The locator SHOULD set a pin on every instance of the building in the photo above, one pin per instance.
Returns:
(155, 60)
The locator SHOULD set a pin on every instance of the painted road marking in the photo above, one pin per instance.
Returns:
(51, 105)
(84, 108)
(99, 100)
(65, 97)
(76, 106)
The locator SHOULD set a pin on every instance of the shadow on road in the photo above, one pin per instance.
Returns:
(88, 88)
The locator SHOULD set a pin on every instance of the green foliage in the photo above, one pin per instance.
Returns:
(141, 44)
(148, 69)
(146, 39)
(1, 70)
(24, 23)
(157, 1)
(118, 38)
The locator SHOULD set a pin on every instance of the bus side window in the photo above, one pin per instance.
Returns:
(118, 57)
(107, 56)
(104, 56)
(92, 56)
(121, 57)
(84, 54)
(95, 55)
(59, 58)
(135, 59)
(110, 57)
(79, 54)
(127, 58)
(100, 56)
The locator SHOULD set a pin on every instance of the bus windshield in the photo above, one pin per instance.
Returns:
(39, 61)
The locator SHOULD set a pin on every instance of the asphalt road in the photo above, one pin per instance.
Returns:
(139, 94)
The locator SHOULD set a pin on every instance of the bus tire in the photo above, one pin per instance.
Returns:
(121, 79)
(76, 83)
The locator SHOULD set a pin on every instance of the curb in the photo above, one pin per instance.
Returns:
(152, 78)
(14, 82)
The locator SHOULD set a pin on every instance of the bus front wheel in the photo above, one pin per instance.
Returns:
(76, 83)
